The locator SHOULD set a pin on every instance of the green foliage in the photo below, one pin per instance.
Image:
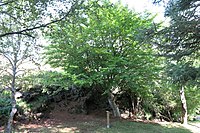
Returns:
(164, 102)
(25, 16)
(183, 73)
(193, 98)
(43, 80)
(5, 104)
(105, 44)
(38, 104)
(180, 42)
(182, 35)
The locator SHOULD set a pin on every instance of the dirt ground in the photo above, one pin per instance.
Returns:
(63, 122)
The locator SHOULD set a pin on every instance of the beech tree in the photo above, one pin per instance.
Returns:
(105, 45)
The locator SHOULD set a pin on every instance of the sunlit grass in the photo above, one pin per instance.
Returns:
(138, 127)
(119, 126)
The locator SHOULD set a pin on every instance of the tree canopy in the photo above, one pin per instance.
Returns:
(182, 35)
(104, 45)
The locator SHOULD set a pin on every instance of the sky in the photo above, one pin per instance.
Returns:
(142, 5)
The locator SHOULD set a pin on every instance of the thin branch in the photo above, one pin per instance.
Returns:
(21, 70)
(3, 4)
(24, 31)
(9, 73)
(8, 58)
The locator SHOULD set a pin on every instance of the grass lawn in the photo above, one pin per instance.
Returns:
(139, 127)
(118, 126)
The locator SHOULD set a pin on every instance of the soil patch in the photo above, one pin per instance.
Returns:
(61, 121)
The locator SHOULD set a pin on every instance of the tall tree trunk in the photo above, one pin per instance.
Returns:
(113, 105)
(183, 105)
(14, 109)
(12, 113)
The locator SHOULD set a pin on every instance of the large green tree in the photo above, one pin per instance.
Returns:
(105, 45)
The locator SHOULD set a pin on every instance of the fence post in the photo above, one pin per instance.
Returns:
(108, 119)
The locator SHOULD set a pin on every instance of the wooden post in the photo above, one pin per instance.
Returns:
(108, 119)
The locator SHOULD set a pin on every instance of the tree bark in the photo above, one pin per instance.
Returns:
(184, 106)
(14, 103)
(113, 105)
(11, 117)
(135, 101)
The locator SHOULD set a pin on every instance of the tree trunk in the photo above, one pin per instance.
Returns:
(183, 105)
(135, 101)
(12, 113)
(113, 105)
(14, 103)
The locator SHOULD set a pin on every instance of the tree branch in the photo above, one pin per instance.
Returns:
(8, 58)
(24, 31)
(3, 4)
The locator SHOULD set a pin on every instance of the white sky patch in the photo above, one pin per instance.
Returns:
(145, 5)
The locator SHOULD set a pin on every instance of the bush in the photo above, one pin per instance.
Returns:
(5, 106)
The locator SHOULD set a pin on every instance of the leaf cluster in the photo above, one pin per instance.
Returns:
(181, 38)
(105, 44)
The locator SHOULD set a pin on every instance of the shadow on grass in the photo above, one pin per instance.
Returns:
(117, 126)
(60, 126)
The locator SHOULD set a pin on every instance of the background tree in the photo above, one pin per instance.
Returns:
(16, 50)
(180, 42)
(105, 45)
(183, 32)
(19, 21)
(183, 75)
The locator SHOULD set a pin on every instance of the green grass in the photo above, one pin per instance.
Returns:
(138, 127)
(119, 126)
